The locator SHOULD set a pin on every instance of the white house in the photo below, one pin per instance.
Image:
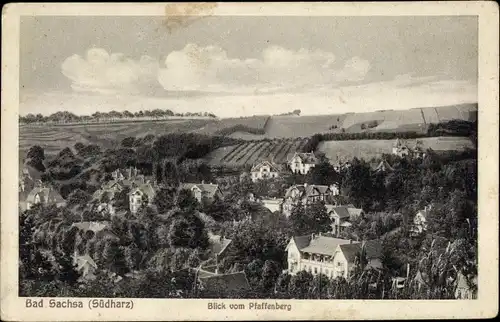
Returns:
(302, 163)
(401, 148)
(420, 221)
(264, 170)
(140, 195)
(330, 256)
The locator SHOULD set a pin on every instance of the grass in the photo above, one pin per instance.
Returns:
(367, 149)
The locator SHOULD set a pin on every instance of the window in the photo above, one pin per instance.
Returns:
(315, 270)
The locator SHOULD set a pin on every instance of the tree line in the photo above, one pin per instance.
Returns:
(68, 117)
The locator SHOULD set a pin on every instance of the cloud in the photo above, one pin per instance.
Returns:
(105, 73)
(211, 69)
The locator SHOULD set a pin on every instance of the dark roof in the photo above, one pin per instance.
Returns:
(47, 195)
(302, 241)
(306, 157)
(226, 282)
(307, 190)
(344, 211)
(207, 188)
(271, 165)
(373, 250)
(350, 251)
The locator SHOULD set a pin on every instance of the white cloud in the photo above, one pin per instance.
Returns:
(210, 69)
(106, 73)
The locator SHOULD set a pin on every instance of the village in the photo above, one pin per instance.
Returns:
(329, 252)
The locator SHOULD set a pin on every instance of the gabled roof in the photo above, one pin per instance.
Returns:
(372, 250)
(350, 251)
(207, 188)
(271, 165)
(228, 282)
(309, 158)
(383, 166)
(324, 245)
(218, 244)
(146, 189)
(307, 190)
(302, 241)
(81, 261)
(344, 211)
(47, 195)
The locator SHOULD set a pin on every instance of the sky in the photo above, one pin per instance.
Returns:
(246, 65)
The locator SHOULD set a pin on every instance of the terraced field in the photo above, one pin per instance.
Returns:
(249, 153)
(367, 149)
(53, 138)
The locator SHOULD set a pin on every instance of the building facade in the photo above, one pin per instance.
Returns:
(302, 163)
(264, 170)
(333, 257)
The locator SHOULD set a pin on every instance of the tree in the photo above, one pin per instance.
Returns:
(323, 174)
(78, 197)
(312, 218)
(187, 201)
(121, 200)
(270, 272)
(165, 199)
(187, 230)
(299, 285)
(36, 156)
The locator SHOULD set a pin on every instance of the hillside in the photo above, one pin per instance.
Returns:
(367, 149)
(55, 137)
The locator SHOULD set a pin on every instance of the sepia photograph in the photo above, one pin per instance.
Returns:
(190, 155)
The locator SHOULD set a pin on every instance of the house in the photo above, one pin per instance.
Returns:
(302, 163)
(218, 246)
(306, 194)
(85, 266)
(127, 174)
(272, 204)
(42, 195)
(466, 287)
(141, 195)
(222, 283)
(420, 221)
(333, 257)
(402, 148)
(265, 170)
(382, 167)
(202, 190)
(342, 216)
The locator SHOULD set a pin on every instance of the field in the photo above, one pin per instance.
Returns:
(253, 122)
(53, 138)
(367, 149)
(249, 153)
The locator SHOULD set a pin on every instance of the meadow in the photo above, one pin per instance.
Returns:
(367, 149)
